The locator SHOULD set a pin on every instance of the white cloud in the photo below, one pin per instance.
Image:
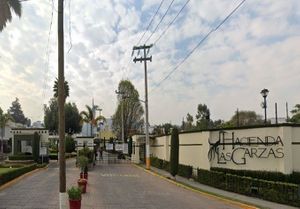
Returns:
(257, 48)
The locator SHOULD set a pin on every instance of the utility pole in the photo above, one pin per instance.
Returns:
(61, 110)
(145, 59)
(122, 112)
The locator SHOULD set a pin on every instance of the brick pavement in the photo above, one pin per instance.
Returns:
(110, 186)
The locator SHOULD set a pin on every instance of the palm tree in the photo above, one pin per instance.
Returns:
(89, 117)
(4, 118)
(6, 8)
(55, 89)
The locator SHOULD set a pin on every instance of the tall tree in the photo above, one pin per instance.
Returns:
(203, 117)
(6, 8)
(16, 112)
(66, 88)
(89, 117)
(132, 110)
(72, 117)
(174, 154)
(4, 118)
(188, 125)
(296, 114)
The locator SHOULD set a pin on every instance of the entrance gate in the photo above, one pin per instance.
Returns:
(112, 158)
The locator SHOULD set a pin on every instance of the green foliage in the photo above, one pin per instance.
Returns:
(132, 111)
(16, 113)
(74, 193)
(6, 11)
(185, 171)
(36, 147)
(265, 175)
(163, 129)
(87, 153)
(130, 146)
(72, 117)
(296, 114)
(270, 190)
(83, 162)
(69, 144)
(203, 117)
(174, 155)
(20, 157)
(66, 88)
(14, 173)
(244, 118)
(188, 125)
(90, 117)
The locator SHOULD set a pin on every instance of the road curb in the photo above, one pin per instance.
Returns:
(208, 195)
(19, 178)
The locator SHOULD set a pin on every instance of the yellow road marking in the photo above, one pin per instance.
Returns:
(208, 195)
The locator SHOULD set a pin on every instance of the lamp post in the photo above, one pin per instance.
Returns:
(264, 94)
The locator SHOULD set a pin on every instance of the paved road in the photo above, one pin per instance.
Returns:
(113, 186)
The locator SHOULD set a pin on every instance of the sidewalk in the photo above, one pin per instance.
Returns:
(239, 197)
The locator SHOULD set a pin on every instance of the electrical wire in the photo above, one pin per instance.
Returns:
(161, 19)
(170, 23)
(199, 43)
(152, 19)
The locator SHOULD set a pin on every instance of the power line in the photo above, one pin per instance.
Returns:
(124, 69)
(163, 33)
(161, 19)
(200, 42)
(48, 52)
(152, 19)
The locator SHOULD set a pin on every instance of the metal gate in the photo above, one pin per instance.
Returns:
(112, 158)
(142, 153)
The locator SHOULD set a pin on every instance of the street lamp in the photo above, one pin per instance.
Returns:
(264, 94)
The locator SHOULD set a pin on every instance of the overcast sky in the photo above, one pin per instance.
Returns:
(258, 47)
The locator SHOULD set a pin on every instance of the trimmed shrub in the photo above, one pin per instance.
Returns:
(265, 175)
(174, 155)
(185, 171)
(20, 157)
(269, 190)
(36, 147)
(6, 177)
(69, 144)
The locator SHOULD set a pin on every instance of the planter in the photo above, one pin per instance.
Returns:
(75, 204)
(82, 185)
(84, 175)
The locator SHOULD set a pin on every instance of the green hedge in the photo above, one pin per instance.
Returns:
(183, 170)
(280, 192)
(6, 177)
(20, 157)
(265, 175)
(53, 156)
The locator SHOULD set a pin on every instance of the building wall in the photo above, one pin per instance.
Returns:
(275, 148)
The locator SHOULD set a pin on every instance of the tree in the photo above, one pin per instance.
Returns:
(72, 117)
(188, 125)
(6, 8)
(89, 117)
(203, 117)
(66, 88)
(4, 118)
(174, 154)
(69, 144)
(244, 118)
(132, 111)
(16, 112)
(296, 114)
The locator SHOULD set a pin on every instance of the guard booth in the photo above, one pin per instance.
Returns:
(24, 140)
(139, 148)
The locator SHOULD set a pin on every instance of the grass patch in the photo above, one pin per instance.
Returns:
(6, 170)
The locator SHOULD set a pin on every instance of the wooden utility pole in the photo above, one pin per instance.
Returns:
(145, 59)
(61, 104)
